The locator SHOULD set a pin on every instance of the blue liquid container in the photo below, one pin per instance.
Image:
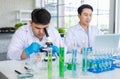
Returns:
(74, 52)
(84, 60)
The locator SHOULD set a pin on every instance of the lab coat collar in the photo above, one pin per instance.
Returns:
(79, 27)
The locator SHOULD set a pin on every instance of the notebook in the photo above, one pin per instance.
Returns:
(106, 41)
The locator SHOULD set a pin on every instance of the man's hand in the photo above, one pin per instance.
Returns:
(34, 47)
(55, 50)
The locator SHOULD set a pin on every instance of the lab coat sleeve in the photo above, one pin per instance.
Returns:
(99, 32)
(69, 40)
(16, 45)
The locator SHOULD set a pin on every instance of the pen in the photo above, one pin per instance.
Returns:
(26, 68)
(17, 72)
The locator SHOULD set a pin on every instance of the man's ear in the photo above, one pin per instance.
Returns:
(30, 22)
(78, 15)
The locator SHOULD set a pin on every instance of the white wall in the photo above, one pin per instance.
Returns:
(61, 11)
(8, 10)
(117, 16)
(112, 16)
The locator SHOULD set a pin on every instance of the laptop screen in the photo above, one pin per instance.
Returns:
(106, 41)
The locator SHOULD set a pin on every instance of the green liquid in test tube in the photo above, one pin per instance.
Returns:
(49, 63)
(61, 62)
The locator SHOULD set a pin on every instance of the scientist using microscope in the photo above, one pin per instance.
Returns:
(29, 39)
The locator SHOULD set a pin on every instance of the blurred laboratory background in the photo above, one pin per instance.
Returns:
(14, 13)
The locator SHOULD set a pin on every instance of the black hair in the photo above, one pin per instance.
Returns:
(40, 16)
(80, 9)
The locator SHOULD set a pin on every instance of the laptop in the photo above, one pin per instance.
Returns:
(2, 76)
(106, 41)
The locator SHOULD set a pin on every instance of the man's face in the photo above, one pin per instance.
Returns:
(85, 16)
(38, 29)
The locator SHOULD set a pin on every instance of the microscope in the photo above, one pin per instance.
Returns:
(46, 46)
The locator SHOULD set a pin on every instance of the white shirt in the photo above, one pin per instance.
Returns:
(76, 34)
(24, 36)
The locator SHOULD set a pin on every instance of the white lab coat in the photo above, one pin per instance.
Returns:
(76, 34)
(24, 36)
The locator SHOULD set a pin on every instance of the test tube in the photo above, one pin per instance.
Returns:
(74, 62)
(84, 60)
(61, 60)
(49, 63)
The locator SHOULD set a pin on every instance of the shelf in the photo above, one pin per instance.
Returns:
(23, 15)
(23, 19)
(7, 30)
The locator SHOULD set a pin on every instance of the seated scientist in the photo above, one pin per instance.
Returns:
(28, 39)
(82, 34)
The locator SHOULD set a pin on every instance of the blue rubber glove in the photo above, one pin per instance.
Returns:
(55, 50)
(34, 47)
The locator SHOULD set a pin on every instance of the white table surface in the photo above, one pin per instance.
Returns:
(8, 67)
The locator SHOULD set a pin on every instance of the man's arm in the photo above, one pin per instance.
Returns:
(23, 55)
(17, 44)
